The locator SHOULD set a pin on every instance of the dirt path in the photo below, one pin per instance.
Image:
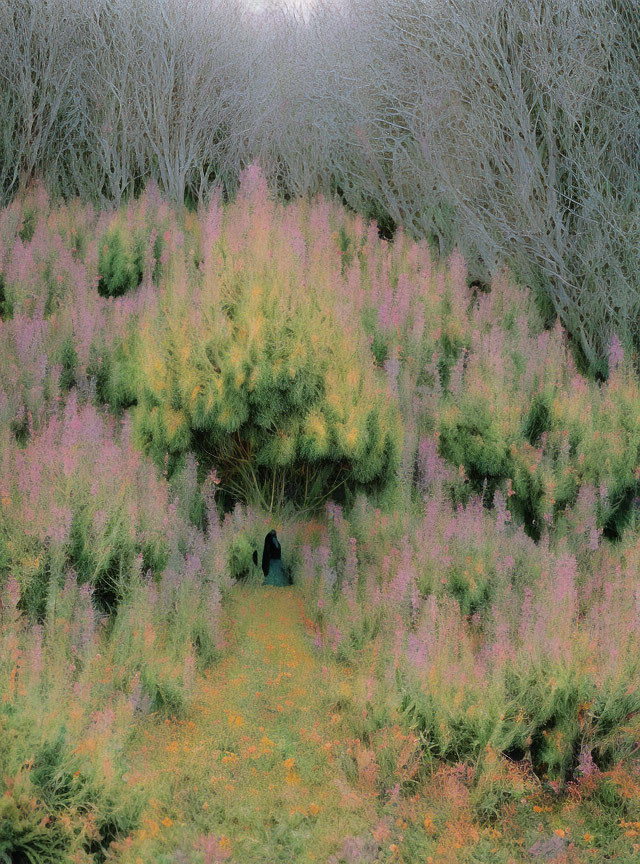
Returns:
(254, 769)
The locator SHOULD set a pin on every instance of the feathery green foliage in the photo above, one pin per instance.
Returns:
(261, 380)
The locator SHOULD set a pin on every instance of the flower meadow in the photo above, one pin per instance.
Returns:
(455, 673)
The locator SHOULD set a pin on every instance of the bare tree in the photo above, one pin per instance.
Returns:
(106, 154)
(527, 118)
(36, 66)
(510, 129)
(184, 86)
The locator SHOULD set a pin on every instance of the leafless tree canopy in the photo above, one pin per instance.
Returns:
(508, 127)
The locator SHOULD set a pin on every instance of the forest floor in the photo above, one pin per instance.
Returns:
(267, 769)
(256, 760)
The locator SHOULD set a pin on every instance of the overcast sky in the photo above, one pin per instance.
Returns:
(261, 5)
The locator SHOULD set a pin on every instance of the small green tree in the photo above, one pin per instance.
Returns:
(119, 265)
(262, 382)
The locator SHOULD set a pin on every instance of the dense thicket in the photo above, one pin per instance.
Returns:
(511, 130)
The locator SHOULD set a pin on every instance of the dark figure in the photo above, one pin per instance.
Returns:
(271, 550)
(272, 561)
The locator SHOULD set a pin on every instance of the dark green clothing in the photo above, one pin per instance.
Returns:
(276, 575)
(271, 550)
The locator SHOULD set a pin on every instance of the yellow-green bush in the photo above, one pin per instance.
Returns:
(261, 380)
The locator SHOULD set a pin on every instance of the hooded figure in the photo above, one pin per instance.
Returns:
(272, 561)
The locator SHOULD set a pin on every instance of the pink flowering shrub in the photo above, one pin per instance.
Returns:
(78, 496)
(491, 639)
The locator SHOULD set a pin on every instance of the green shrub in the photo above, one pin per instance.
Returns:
(104, 565)
(378, 341)
(115, 373)
(28, 835)
(29, 222)
(120, 263)
(69, 358)
(165, 693)
(469, 437)
(380, 348)
(205, 644)
(116, 818)
(345, 245)
(609, 796)
(20, 426)
(543, 719)
(268, 387)
(538, 419)
(616, 708)
(54, 767)
(527, 504)
(6, 303)
(99, 368)
(34, 823)
(155, 556)
(122, 386)
(497, 784)
(241, 555)
(35, 586)
(449, 347)
(453, 741)
(619, 514)
(472, 591)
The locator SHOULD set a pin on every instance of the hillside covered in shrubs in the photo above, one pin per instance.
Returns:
(458, 503)
(370, 276)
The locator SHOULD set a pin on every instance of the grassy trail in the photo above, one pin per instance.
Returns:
(268, 770)
(254, 768)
